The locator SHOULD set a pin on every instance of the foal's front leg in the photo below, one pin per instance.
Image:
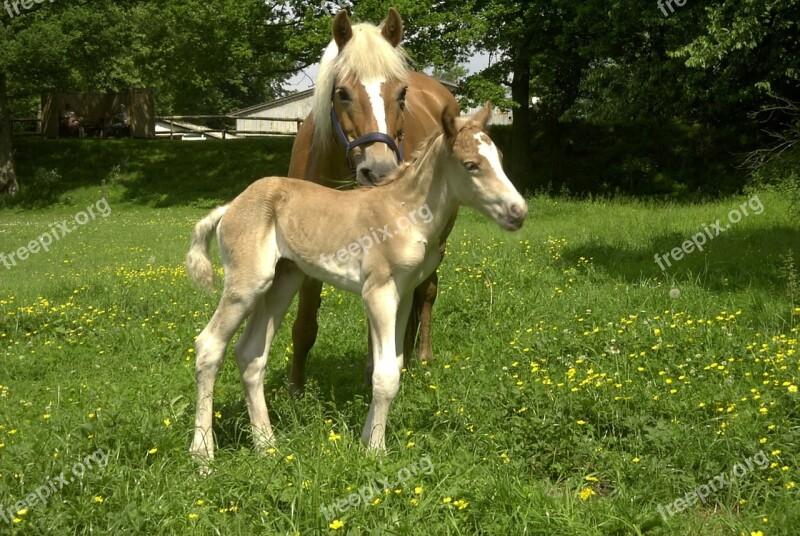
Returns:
(382, 308)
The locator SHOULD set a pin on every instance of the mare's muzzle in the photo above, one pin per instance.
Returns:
(373, 173)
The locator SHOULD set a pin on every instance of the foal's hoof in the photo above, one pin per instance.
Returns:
(203, 463)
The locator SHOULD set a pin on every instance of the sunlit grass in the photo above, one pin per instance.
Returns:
(573, 390)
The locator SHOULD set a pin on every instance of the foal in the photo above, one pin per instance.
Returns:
(279, 229)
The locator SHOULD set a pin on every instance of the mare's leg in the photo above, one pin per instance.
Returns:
(419, 322)
(304, 331)
(252, 350)
(210, 350)
(382, 306)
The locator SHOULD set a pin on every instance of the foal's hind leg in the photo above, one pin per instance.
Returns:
(210, 350)
(304, 331)
(252, 350)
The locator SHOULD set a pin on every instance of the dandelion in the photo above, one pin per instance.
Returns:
(580, 422)
(376, 502)
(586, 493)
(447, 500)
(153, 450)
(792, 388)
(418, 490)
(410, 444)
(635, 460)
(290, 457)
(333, 436)
(98, 499)
(193, 516)
(460, 504)
(200, 502)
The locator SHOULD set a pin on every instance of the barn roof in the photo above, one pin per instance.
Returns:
(300, 95)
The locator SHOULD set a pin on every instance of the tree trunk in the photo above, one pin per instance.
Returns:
(520, 161)
(8, 177)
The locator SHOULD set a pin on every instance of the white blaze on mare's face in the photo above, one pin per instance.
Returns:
(373, 89)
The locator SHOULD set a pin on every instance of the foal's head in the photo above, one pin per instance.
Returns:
(362, 80)
(476, 173)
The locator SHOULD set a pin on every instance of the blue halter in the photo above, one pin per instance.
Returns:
(366, 138)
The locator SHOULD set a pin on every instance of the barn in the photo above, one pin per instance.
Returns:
(278, 117)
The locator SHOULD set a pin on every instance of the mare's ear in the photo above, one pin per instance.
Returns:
(342, 29)
(449, 126)
(392, 27)
(482, 117)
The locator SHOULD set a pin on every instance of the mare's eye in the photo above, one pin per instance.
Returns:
(401, 100)
(343, 94)
(471, 166)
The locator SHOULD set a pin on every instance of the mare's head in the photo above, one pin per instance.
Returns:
(475, 171)
(360, 96)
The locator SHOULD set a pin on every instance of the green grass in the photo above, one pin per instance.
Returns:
(570, 394)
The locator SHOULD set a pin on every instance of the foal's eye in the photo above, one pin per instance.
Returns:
(471, 166)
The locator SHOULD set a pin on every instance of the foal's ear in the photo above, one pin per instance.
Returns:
(449, 126)
(392, 27)
(342, 29)
(482, 117)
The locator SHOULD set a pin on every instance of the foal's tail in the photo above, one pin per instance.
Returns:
(198, 260)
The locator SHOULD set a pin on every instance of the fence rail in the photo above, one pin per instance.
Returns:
(180, 125)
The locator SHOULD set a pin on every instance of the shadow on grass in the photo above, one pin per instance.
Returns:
(160, 173)
(332, 384)
(736, 259)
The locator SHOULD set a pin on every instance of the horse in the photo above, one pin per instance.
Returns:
(280, 230)
(369, 111)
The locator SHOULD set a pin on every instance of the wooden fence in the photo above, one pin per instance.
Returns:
(221, 126)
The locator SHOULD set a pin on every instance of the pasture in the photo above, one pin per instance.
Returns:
(575, 388)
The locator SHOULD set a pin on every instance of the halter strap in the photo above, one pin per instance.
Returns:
(372, 137)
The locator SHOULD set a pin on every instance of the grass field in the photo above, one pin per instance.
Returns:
(576, 389)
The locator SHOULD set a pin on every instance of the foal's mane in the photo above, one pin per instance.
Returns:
(422, 157)
(366, 56)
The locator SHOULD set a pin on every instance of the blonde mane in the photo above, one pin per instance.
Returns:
(420, 159)
(367, 55)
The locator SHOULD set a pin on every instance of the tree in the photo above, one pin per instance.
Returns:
(200, 56)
